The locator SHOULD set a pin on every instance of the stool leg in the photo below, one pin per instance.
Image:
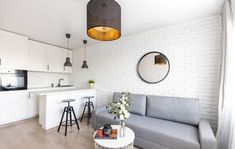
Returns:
(70, 115)
(75, 118)
(61, 119)
(66, 122)
(89, 112)
(83, 111)
(92, 105)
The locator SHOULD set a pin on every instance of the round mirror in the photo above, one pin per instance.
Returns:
(153, 67)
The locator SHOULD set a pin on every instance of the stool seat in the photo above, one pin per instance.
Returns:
(68, 100)
(89, 97)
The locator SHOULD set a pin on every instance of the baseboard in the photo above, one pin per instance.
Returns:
(18, 120)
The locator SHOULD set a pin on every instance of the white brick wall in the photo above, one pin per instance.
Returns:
(192, 47)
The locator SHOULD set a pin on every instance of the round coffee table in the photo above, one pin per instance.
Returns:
(126, 142)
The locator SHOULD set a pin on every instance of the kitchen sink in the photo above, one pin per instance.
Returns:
(65, 86)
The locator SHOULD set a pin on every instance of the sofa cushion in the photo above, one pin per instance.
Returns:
(106, 118)
(162, 132)
(166, 133)
(184, 110)
(137, 103)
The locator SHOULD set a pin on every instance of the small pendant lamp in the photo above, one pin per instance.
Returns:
(67, 61)
(103, 20)
(84, 65)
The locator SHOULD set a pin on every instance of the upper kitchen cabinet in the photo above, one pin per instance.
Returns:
(56, 59)
(47, 58)
(13, 51)
(38, 56)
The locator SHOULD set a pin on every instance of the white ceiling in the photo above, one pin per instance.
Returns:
(49, 20)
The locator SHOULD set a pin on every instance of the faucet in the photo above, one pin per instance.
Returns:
(59, 84)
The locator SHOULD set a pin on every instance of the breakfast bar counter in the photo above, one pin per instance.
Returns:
(51, 105)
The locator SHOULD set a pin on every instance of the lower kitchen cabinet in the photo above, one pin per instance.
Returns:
(32, 105)
(12, 106)
(17, 105)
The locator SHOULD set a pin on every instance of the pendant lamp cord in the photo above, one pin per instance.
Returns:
(68, 47)
(84, 51)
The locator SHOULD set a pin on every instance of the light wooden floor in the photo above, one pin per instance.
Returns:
(28, 134)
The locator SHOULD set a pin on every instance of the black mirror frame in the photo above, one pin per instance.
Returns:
(140, 61)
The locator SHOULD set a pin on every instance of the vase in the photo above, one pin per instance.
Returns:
(122, 129)
(91, 85)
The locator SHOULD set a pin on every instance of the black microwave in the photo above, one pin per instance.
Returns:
(13, 80)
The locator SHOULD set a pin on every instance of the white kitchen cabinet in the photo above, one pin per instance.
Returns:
(56, 59)
(23, 104)
(17, 105)
(38, 59)
(47, 58)
(17, 52)
(13, 106)
(13, 51)
(32, 105)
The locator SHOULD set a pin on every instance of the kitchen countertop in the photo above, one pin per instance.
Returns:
(58, 90)
(48, 88)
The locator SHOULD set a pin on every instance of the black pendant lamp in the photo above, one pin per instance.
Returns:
(160, 59)
(103, 20)
(84, 65)
(67, 61)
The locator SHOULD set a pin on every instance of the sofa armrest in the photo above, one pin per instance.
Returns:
(93, 116)
(100, 109)
(206, 136)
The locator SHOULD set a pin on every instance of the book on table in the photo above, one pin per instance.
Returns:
(100, 135)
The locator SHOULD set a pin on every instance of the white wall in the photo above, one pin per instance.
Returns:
(192, 47)
(44, 79)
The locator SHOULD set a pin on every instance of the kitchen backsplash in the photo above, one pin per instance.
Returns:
(43, 79)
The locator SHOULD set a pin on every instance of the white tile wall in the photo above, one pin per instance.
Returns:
(44, 79)
(192, 47)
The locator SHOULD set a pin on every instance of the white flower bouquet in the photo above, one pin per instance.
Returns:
(120, 108)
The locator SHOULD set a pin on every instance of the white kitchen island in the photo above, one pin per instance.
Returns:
(51, 105)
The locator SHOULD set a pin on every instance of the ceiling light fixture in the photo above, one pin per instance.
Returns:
(103, 20)
(67, 61)
(84, 65)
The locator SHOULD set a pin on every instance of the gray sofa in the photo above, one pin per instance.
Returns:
(162, 122)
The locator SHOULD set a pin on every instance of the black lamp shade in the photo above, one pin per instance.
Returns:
(84, 65)
(103, 20)
(68, 62)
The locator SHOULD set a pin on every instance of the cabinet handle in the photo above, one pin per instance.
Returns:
(0, 61)
(48, 67)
